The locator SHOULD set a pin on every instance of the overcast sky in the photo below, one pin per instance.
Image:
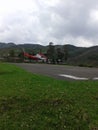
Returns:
(42, 21)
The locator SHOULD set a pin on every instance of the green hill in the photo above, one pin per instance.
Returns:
(85, 57)
(81, 56)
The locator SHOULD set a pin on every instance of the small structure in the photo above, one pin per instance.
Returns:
(37, 57)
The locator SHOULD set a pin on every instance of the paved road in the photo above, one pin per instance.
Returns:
(61, 71)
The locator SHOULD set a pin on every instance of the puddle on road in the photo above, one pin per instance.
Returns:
(77, 78)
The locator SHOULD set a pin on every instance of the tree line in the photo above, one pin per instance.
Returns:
(54, 54)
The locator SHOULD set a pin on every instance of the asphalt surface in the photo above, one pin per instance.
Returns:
(58, 71)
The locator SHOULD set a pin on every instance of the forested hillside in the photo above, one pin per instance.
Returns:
(73, 55)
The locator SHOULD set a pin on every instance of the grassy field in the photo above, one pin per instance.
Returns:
(34, 102)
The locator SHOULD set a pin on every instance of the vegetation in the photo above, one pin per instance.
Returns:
(57, 54)
(69, 54)
(34, 102)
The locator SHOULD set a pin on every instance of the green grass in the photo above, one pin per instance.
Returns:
(34, 102)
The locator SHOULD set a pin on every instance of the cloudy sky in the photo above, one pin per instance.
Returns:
(42, 21)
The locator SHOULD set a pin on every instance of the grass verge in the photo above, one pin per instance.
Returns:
(34, 102)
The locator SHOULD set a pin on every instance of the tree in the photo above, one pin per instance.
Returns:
(21, 56)
(12, 53)
(51, 52)
(60, 55)
(65, 49)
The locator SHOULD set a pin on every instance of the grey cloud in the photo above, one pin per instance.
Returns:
(77, 20)
(67, 21)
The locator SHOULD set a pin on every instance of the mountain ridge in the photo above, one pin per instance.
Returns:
(83, 56)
